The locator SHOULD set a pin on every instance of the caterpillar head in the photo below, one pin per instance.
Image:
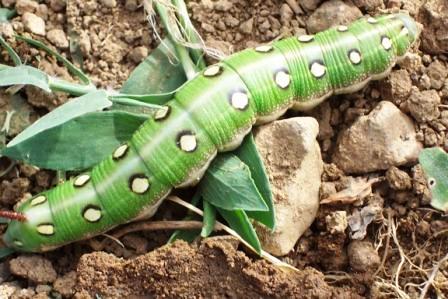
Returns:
(406, 32)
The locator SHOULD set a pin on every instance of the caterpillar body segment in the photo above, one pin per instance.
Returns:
(210, 114)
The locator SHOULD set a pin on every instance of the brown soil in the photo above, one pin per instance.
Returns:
(402, 243)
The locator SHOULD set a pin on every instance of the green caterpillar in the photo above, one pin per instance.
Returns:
(211, 113)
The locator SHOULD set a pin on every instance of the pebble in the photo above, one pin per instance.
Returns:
(58, 38)
(437, 72)
(398, 179)
(131, 5)
(109, 3)
(138, 54)
(397, 87)
(6, 30)
(433, 15)
(336, 222)
(33, 267)
(332, 13)
(385, 137)
(23, 6)
(33, 23)
(65, 285)
(247, 26)
(293, 161)
(363, 256)
(57, 5)
(424, 105)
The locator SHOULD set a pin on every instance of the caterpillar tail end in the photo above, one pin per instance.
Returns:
(414, 28)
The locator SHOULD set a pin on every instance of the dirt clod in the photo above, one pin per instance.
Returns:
(398, 179)
(423, 105)
(33, 267)
(331, 13)
(33, 23)
(362, 256)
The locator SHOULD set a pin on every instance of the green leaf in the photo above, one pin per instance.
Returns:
(6, 251)
(434, 162)
(209, 219)
(248, 153)
(188, 235)
(79, 143)
(93, 101)
(6, 14)
(227, 184)
(24, 74)
(4, 220)
(157, 73)
(15, 58)
(240, 223)
(70, 66)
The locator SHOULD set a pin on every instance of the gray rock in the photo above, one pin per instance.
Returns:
(424, 105)
(384, 138)
(331, 13)
(33, 23)
(293, 161)
(58, 38)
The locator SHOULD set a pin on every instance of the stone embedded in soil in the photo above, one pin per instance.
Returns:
(336, 222)
(331, 13)
(397, 87)
(434, 17)
(369, 5)
(294, 165)
(33, 23)
(213, 268)
(58, 38)
(33, 267)
(138, 54)
(58, 5)
(6, 30)
(362, 256)
(65, 285)
(7, 289)
(437, 73)
(23, 6)
(398, 179)
(424, 105)
(247, 26)
(385, 137)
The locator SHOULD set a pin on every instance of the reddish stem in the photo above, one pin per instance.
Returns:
(13, 215)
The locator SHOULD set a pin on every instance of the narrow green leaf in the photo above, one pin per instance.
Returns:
(156, 99)
(209, 219)
(240, 223)
(70, 66)
(6, 14)
(434, 162)
(157, 73)
(6, 251)
(94, 101)
(188, 235)
(227, 184)
(24, 74)
(248, 153)
(15, 58)
(79, 143)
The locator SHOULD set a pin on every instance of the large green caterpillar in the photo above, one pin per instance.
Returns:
(211, 113)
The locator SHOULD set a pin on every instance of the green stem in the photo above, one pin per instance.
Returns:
(57, 84)
(182, 52)
(190, 33)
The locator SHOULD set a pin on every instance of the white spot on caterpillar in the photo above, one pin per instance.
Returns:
(212, 71)
(162, 113)
(404, 31)
(81, 180)
(38, 200)
(282, 79)
(372, 20)
(139, 184)
(354, 56)
(46, 229)
(342, 28)
(187, 142)
(120, 151)
(92, 214)
(264, 48)
(239, 100)
(18, 243)
(432, 182)
(305, 38)
(318, 69)
(386, 43)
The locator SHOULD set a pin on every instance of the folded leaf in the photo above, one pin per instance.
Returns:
(227, 184)
(209, 219)
(78, 143)
(25, 75)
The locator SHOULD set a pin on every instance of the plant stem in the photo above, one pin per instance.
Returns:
(173, 32)
(190, 32)
(76, 89)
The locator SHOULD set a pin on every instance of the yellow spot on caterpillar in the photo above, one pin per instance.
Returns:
(120, 151)
(386, 43)
(139, 184)
(162, 113)
(212, 71)
(46, 229)
(317, 69)
(92, 214)
(305, 38)
(342, 28)
(187, 142)
(239, 100)
(264, 48)
(282, 79)
(81, 180)
(38, 200)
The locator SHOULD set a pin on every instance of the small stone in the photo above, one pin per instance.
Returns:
(362, 256)
(437, 72)
(286, 13)
(247, 26)
(58, 38)
(65, 285)
(386, 137)
(7, 289)
(398, 179)
(310, 5)
(42, 11)
(23, 6)
(294, 165)
(424, 105)
(109, 3)
(369, 5)
(332, 13)
(43, 288)
(57, 5)
(131, 5)
(397, 87)
(138, 54)
(433, 15)
(84, 44)
(34, 268)
(207, 27)
(223, 5)
(6, 30)
(8, 3)
(337, 222)
(33, 23)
